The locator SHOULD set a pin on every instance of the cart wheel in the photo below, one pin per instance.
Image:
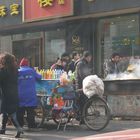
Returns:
(96, 113)
(40, 114)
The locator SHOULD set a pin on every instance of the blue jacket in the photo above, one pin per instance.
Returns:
(26, 86)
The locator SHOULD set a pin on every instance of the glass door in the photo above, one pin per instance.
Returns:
(31, 49)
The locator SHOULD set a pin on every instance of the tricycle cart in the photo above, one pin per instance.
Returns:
(96, 113)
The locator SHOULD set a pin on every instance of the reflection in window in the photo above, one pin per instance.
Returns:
(54, 46)
(121, 35)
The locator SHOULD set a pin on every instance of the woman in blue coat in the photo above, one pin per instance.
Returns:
(27, 77)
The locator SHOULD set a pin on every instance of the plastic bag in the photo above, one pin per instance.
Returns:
(64, 79)
(93, 85)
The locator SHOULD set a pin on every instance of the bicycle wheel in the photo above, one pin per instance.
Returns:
(40, 114)
(96, 113)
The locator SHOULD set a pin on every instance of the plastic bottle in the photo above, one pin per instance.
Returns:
(70, 75)
(55, 74)
(47, 74)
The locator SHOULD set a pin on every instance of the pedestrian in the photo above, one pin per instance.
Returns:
(56, 62)
(65, 57)
(83, 69)
(9, 89)
(27, 77)
(75, 57)
(59, 65)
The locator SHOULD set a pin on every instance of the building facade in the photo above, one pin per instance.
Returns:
(100, 26)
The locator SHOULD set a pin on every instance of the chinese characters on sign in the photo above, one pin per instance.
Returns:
(34, 10)
(45, 3)
(2, 11)
(13, 10)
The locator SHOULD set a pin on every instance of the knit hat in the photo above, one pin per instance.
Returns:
(24, 62)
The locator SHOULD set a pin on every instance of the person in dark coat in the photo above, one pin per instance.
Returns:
(65, 57)
(72, 64)
(9, 89)
(27, 77)
(83, 69)
(114, 65)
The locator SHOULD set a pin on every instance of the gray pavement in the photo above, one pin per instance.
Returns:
(49, 131)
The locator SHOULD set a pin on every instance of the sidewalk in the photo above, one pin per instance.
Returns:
(116, 130)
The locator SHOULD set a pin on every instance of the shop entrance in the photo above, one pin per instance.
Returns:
(31, 49)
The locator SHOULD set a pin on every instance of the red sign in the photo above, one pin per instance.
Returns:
(45, 9)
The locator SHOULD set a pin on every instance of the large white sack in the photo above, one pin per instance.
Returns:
(93, 85)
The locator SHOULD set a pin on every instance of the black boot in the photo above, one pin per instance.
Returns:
(18, 134)
(4, 122)
(16, 124)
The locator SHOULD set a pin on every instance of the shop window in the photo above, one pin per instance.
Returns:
(118, 35)
(55, 45)
(26, 36)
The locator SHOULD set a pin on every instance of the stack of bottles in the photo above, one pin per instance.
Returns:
(50, 74)
(56, 74)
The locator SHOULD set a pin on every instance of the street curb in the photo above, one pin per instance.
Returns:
(5, 137)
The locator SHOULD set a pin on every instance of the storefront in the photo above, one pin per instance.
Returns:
(102, 27)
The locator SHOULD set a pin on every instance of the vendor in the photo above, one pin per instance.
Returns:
(114, 65)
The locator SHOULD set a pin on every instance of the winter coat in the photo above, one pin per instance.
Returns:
(9, 89)
(113, 68)
(82, 70)
(26, 86)
(71, 66)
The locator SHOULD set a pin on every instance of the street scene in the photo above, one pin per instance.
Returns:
(70, 69)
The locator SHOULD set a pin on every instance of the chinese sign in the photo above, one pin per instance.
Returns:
(13, 9)
(45, 9)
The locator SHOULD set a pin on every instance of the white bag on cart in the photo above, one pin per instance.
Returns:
(93, 85)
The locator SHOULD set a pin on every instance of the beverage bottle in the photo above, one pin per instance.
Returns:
(55, 74)
(51, 74)
(70, 75)
(43, 74)
(48, 74)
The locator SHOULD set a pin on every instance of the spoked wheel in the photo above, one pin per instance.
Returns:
(96, 113)
(39, 114)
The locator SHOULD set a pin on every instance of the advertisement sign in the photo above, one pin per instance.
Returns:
(45, 9)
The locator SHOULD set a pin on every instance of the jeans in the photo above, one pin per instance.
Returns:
(13, 117)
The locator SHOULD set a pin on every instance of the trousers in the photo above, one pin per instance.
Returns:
(14, 120)
(30, 116)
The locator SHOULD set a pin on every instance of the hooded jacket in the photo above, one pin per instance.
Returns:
(26, 86)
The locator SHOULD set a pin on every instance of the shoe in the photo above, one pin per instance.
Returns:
(2, 131)
(18, 134)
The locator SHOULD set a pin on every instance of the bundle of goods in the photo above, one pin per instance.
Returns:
(93, 85)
